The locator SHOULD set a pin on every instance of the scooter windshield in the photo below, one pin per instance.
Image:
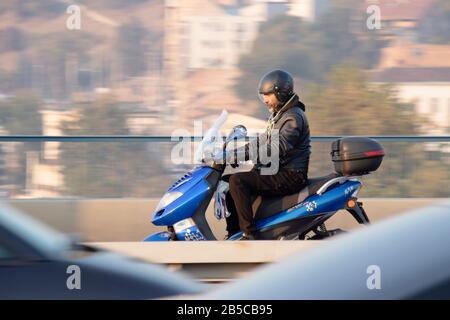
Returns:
(212, 140)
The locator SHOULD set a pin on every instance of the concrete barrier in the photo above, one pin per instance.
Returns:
(183, 252)
(210, 261)
(128, 219)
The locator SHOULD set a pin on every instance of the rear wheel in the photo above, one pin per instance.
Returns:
(288, 237)
(330, 233)
(321, 232)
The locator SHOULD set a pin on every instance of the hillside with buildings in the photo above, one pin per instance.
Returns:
(160, 65)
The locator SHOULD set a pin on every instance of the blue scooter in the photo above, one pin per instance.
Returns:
(299, 216)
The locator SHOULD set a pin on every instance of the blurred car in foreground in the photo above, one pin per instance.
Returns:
(405, 257)
(39, 263)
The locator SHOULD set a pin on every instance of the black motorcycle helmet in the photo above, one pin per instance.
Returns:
(278, 82)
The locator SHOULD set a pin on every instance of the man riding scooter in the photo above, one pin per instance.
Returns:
(291, 206)
(288, 119)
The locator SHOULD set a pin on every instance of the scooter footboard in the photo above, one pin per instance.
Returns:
(160, 236)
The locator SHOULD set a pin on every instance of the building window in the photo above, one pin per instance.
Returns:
(417, 52)
(434, 108)
(213, 26)
(212, 44)
(213, 62)
(448, 113)
(241, 27)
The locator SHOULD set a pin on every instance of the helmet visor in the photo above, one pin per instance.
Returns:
(261, 95)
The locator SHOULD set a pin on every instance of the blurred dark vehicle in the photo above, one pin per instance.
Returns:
(409, 253)
(35, 260)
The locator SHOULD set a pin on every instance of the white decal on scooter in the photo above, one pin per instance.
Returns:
(349, 190)
(310, 206)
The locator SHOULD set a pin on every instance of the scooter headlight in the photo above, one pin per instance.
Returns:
(167, 199)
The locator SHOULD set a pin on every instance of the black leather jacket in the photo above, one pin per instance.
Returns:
(292, 127)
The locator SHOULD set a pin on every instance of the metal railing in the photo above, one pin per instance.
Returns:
(130, 166)
(145, 138)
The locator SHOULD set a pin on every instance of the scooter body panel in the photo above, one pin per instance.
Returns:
(194, 188)
(158, 237)
(331, 201)
(313, 211)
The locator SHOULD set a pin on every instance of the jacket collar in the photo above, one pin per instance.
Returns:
(293, 100)
(274, 117)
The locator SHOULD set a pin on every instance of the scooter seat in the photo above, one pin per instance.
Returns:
(267, 206)
(314, 184)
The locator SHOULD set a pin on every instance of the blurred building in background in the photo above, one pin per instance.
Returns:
(203, 37)
(399, 18)
(421, 75)
(162, 64)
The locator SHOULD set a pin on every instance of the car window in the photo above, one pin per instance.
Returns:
(4, 254)
(440, 290)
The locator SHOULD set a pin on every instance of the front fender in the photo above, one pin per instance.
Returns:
(160, 236)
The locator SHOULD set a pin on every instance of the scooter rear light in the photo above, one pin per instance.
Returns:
(351, 203)
(374, 153)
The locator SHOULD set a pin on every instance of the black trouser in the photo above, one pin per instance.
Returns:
(244, 185)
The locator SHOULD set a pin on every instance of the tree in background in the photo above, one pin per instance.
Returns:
(19, 115)
(12, 39)
(114, 4)
(108, 169)
(435, 27)
(46, 62)
(125, 3)
(327, 58)
(132, 48)
(307, 50)
(283, 42)
(54, 53)
(345, 105)
(32, 8)
(3, 170)
(7, 81)
(93, 169)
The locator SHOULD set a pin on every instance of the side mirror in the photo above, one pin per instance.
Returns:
(238, 132)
